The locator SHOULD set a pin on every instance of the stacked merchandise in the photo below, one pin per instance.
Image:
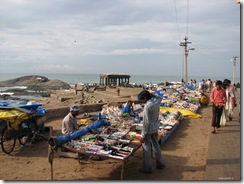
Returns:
(122, 138)
(169, 121)
(182, 98)
(168, 124)
(111, 142)
(186, 105)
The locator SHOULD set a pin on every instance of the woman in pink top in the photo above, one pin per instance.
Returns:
(218, 99)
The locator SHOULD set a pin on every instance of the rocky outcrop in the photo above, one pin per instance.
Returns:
(35, 82)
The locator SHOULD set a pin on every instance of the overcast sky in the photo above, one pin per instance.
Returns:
(139, 37)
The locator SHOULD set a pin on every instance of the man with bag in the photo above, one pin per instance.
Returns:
(218, 99)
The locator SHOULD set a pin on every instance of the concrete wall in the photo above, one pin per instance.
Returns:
(60, 112)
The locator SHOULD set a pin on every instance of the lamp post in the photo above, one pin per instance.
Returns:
(186, 72)
(234, 68)
(186, 55)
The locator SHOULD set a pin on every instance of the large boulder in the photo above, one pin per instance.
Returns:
(35, 82)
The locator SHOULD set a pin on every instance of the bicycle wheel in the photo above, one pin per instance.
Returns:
(8, 139)
(23, 133)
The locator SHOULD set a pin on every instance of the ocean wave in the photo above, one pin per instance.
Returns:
(12, 87)
(6, 93)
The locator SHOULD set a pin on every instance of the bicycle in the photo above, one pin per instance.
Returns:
(21, 126)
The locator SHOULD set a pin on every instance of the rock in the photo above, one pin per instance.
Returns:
(36, 83)
(24, 81)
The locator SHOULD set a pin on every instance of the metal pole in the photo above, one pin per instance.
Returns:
(185, 59)
(183, 66)
(234, 68)
(186, 77)
(186, 67)
(234, 74)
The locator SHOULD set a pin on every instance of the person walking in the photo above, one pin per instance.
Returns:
(230, 98)
(223, 118)
(149, 132)
(208, 83)
(235, 87)
(195, 83)
(117, 90)
(218, 99)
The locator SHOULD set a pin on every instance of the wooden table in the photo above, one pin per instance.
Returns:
(134, 144)
(123, 160)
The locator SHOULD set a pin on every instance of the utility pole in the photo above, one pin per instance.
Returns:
(183, 66)
(185, 58)
(234, 68)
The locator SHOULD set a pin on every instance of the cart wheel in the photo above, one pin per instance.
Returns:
(8, 140)
(23, 133)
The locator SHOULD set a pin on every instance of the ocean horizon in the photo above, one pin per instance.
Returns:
(94, 78)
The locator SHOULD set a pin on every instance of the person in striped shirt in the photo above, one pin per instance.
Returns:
(150, 130)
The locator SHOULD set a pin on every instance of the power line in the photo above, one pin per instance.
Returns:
(177, 21)
(187, 18)
(203, 46)
(183, 63)
(207, 50)
(210, 57)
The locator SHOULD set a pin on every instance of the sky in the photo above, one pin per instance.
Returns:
(136, 37)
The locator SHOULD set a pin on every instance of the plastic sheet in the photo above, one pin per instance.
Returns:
(184, 112)
(14, 116)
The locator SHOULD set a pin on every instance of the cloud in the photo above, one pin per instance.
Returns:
(59, 35)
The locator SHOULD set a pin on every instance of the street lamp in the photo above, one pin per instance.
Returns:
(234, 68)
(184, 44)
(186, 65)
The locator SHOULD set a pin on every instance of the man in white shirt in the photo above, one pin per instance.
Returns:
(69, 123)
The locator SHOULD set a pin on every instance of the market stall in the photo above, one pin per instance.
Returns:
(111, 143)
(122, 138)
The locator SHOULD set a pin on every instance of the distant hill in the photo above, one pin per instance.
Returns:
(35, 82)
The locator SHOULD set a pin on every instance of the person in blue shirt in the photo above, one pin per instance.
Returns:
(129, 109)
(235, 87)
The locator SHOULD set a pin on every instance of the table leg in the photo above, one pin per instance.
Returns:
(51, 152)
(50, 159)
(122, 170)
(52, 169)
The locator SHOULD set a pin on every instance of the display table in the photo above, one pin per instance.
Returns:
(119, 141)
(106, 146)
(135, 147)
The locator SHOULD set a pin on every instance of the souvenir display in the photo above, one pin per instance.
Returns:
(183, 98)
(113, 143)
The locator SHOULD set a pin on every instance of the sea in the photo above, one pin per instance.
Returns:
(94, 78)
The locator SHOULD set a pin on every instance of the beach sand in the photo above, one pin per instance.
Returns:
(184, 153)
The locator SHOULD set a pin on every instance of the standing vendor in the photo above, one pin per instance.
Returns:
(150, 130)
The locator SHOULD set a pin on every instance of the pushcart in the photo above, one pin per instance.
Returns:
(17, 123)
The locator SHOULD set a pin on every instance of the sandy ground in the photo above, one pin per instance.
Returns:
(184, 153)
